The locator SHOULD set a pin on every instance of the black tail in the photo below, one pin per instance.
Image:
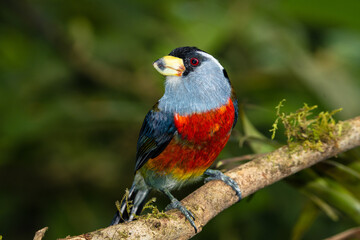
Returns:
(137, 199)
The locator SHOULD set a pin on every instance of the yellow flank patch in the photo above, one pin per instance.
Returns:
(182, 175)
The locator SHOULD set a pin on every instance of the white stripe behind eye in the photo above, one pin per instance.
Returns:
(212, 58)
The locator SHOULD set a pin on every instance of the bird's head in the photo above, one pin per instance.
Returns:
(195, 81)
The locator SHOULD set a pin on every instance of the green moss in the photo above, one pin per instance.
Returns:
(129, 204)
(302, 129)
(155, 212)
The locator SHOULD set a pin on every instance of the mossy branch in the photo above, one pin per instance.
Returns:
(214, 197)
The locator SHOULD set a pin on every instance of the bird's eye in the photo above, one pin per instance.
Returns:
(194, 61)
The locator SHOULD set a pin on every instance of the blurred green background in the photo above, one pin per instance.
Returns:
(76, 80)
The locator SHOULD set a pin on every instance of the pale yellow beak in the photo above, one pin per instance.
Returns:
(169, 66)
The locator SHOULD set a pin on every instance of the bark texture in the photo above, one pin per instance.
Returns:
(212, 198)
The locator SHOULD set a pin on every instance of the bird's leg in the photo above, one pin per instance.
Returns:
(176, 204)
(218, 175)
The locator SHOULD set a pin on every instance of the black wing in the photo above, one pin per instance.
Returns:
(156, 133)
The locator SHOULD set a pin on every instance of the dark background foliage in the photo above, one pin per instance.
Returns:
(76, 81)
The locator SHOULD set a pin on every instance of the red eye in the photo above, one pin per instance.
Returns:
(194, 61)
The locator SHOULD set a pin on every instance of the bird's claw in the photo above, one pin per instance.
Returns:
(175, 204)
(169, 207)
(218, 175)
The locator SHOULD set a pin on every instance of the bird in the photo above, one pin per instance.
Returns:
(184, 132)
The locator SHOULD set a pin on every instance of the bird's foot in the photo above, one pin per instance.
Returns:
(218, 175)
(176, 204)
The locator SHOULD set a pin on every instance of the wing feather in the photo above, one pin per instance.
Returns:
(156, 133)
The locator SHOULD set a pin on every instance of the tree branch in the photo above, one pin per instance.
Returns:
(212, 198)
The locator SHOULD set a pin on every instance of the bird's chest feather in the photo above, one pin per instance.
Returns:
(205, 128)
(199, 140)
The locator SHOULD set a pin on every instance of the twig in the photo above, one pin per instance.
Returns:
(353, 233)
(214, 197)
